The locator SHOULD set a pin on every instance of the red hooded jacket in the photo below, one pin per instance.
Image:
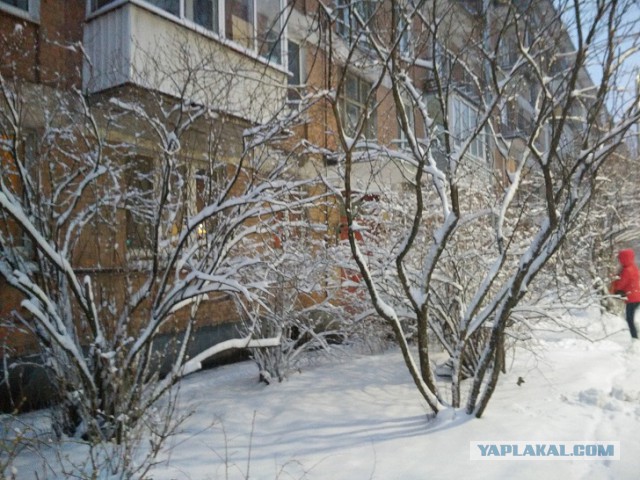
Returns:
(629, 281)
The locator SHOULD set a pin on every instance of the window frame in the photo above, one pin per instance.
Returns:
(295, 84)
(215, 15)
(461, 127)
(280, 38)
(363, 87)
(207, 185)
(405, 44)
(32, 13)
(347, 27)
(509, 47)
(508, 52)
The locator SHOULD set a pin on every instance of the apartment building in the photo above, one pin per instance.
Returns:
(249, 62)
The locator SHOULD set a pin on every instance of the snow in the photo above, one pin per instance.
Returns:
(360, 417)
(194, 364)
(420, 62)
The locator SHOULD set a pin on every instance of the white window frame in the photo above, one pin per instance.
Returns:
(347, 26)
(216, 24)
(463, 120)
(219, 27)
(281, 39)
(32, 13)
(370, 130)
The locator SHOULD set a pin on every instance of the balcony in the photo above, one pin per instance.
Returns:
(164, 45)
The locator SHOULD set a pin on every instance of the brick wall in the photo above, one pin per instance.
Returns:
(46, 51)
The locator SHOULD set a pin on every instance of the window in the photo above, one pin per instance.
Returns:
(97, 4)
(543, 139)
(139, 204)
(21, 4)
(209, 185)
(403, 28)
(29, 9)
(203, 198)
(352, 16)
(510, 45)
(464, 117)
(355, 109)
(405, 36)
(472, 6)
(508, 52)
(442, 61)
(239, 22)
(269, 29)
(464, 81)
(515, 122)
(203, 13)
(294, 81)
(169, 6)
(403, 143)
(256, 25)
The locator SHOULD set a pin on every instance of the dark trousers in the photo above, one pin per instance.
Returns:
(631, 310)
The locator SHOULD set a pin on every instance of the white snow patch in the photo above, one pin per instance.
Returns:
(363, 418)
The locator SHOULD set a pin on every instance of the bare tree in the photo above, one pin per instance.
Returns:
(303, 310)
(504, 135)
(129, 216)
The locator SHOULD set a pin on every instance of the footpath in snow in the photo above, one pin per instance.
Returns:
(361, 418)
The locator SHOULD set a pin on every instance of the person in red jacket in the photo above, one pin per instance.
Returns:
(628, 285)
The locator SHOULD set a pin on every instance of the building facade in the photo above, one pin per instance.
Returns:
(187, 83)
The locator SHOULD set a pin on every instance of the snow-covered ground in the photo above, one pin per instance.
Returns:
(361, 417)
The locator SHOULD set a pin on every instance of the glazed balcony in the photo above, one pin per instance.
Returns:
(229, 53)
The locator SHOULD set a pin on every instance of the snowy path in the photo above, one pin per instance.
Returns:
(363, 419)
(581, 391)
